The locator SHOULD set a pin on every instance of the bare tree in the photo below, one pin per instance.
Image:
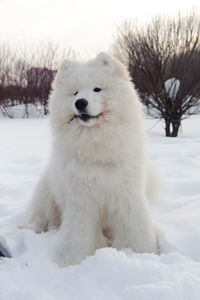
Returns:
(164, 62)
(7, 59)
(26, 76)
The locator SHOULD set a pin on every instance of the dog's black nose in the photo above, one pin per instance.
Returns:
(81, 104)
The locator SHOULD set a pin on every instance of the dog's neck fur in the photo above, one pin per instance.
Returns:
(94, 144)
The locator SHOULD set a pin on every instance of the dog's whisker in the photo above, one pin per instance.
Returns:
(74, 117)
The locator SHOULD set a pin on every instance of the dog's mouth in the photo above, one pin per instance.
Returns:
(84, 117)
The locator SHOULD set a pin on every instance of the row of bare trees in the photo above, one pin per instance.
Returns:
(163, 58)
(26, 75)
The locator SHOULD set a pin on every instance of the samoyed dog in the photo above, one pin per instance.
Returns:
(94, 188)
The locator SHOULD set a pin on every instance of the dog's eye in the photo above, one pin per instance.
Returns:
(75, 93)
(96, 89)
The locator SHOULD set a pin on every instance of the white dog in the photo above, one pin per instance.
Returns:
(94, 187)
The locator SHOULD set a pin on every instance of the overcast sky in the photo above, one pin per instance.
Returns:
(87, 26)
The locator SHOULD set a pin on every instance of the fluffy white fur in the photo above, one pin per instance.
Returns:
(94, 187)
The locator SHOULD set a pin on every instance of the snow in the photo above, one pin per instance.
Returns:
(19, 111)
(109, 274)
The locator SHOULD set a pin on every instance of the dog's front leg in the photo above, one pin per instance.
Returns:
(78, 237)
(133, 227)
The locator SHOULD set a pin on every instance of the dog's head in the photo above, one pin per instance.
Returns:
(91, 94)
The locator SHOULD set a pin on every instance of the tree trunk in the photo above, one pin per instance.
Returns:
(45, 106)
(167, 128)
(175, 126)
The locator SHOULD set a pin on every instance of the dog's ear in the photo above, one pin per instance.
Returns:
(65, 69)
(113, 65)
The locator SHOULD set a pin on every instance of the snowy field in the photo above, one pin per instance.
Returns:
(110, 274)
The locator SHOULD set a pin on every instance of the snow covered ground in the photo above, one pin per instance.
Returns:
(110, 274)
(19, 111)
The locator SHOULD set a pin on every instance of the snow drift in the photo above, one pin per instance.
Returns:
(110, 274)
